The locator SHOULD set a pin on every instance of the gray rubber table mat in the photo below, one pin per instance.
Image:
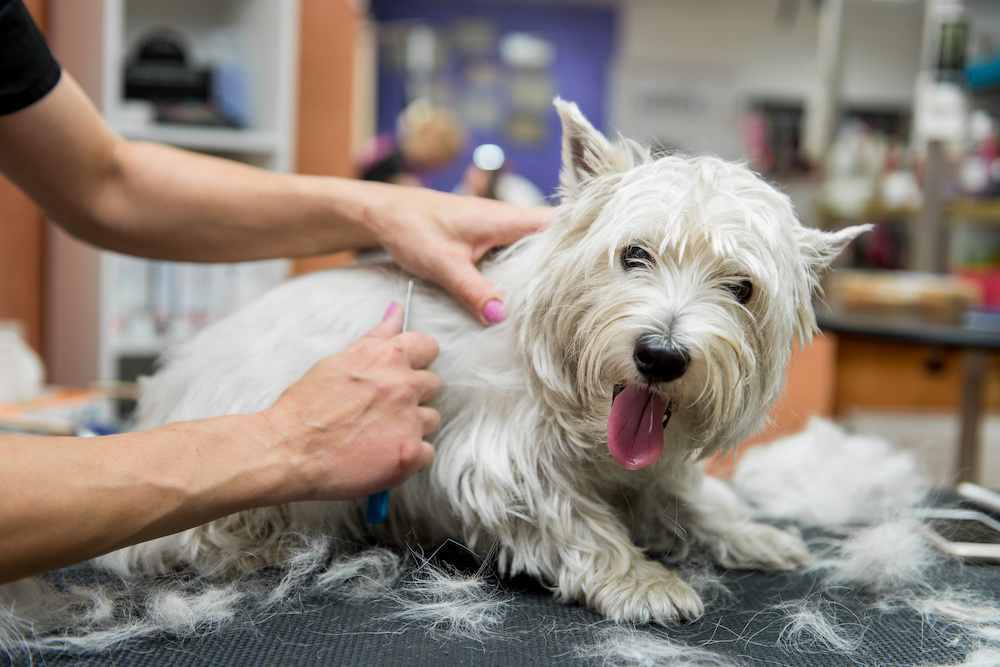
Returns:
(743, 627)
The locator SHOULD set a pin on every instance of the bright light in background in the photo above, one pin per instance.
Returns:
(488, 157)
(522, 49)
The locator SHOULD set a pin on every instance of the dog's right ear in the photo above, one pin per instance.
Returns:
(586, 153)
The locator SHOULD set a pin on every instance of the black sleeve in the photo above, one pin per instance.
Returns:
(28, 71)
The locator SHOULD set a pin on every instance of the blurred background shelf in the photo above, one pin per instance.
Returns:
(975, 210)
(956, 210)
(109, 316)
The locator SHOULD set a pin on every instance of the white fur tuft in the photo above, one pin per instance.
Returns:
(817, 625)
(625, 647)
(889, 556)
(826, 477)
(446, 602)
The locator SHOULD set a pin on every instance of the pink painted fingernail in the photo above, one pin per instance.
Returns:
(392, 309)
(494, 311)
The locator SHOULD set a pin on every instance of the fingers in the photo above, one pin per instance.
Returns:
(461, 277)
(418, 453)
(474, 290)
(420, 349)
(430, 420)
(391, 324)
(428, 386)
(417, 459)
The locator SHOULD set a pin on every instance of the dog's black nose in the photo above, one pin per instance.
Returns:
(659, 360)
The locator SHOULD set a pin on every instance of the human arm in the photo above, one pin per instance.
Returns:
(353, 425)
(160, 202)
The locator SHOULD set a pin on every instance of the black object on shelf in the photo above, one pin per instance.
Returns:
(159, 71)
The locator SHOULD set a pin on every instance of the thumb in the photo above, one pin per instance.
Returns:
(529, 220)
(391, 324)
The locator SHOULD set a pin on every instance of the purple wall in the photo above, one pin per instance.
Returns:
(584, 40)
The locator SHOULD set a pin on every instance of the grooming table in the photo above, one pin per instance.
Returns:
(741, 627)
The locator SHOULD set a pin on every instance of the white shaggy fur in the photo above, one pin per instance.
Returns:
(824, 476)
(524, 471)
(893, 555)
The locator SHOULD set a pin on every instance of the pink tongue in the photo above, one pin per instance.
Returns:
(635, 427)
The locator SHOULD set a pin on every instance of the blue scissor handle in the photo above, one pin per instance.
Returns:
(378, 507)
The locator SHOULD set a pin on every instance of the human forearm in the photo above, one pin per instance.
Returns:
(166, 203)
(70, 499)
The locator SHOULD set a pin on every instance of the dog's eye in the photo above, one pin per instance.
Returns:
(742, 289)
(634, 257)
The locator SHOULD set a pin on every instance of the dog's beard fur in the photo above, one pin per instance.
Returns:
(524, 471)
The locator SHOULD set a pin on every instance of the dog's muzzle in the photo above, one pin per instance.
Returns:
(659, 360)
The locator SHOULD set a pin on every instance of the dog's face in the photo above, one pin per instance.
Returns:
(668, 296)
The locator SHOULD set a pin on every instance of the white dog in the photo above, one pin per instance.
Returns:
(649, 326)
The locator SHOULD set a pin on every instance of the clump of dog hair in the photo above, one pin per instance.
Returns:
(367, 575)
(620, 646)
(817, 625)
(984, 657)
(441, 599)
(444, 601)
(105, 614)
(827, 477)
(886, 557)
(956, 606)
(967, 614)
(108, 614)
(183, 613)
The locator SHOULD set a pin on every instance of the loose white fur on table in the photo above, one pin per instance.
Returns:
(650, 325)
(813, 625)
(863, 488)
(824, 476)
(620, 646)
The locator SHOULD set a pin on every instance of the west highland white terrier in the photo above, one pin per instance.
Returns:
(650, 326)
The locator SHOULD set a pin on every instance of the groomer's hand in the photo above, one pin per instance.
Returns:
(441, 236)
(355, 423)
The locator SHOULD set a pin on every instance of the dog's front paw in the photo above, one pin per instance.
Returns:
(648, 593)
(757, 546)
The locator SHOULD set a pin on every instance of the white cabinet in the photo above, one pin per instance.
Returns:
(103, 308)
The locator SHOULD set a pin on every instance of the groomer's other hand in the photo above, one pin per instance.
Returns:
(441, 236)
(355, 423)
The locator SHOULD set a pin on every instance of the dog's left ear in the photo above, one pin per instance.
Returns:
(586, 153)
(820, 248)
